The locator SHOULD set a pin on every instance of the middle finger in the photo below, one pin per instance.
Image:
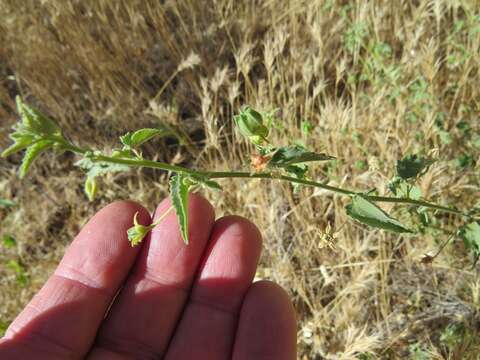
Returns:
(146, 311)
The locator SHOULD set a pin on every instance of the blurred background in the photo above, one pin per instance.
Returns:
(364, 81)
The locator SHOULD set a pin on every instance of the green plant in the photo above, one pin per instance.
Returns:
(6, 203)
(417, 352)
(9, 241)
(21, 274)
(37, 133)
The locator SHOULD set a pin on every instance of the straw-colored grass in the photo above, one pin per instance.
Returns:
(376, 79)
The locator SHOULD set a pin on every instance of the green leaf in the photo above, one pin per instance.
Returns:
(306, 127)
(32, 153)
(290, 155)
(123, 154)
(470, 234)
(445, 137)
(412, 166)
(476, 142)
(6, 203)
(402, 189)
(36, 122)
(96, 168)
(465, 160)
(179, 187)
(298, 171)
(250, 123)
(20, 142)
(370, 214)
(137, 138)
(19, 269)
(9, 241)
(205, 182)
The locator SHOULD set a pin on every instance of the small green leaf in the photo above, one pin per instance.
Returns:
(370, 214)
(470, 234)
(205, 182)
(96, 168)
(445, 137)
(465, 160)
(290, 155)
(464, 127)
(402, 189)
(250, 123)
(412, 166)
(34, 121)
(9, 241)
(91, 187)
(137, 138)
(32, 153)
(123, 154)
(476, 142)
(179, 188)
(361, 164)
(306, 127)
(6, 203)
(19, 269)
(298, 171)
(20, 141)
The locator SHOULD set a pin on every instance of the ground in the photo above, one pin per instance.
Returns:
(367, 82)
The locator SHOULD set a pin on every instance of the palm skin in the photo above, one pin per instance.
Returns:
(170, 301)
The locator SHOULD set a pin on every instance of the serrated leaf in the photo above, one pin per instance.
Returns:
(34, 121)
(470, 234)
(33, 151)
(96, 168)
(370, 214)
(412, 166)
(137, 138)
(20, 142)
(205, 182)
(6, 203)
(126, 139)
(179, 194)
(290, 155)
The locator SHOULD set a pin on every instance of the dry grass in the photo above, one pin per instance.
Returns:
(104, 67)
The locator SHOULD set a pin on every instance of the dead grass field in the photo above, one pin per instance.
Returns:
(376, 79)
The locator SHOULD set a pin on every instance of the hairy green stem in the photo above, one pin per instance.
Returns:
(267, 175)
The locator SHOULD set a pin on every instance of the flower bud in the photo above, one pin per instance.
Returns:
(250, 124)
(91, 187)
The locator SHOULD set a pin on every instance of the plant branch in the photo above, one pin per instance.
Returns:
(266, 175)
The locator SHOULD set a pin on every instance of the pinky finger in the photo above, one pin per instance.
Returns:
(267, 325)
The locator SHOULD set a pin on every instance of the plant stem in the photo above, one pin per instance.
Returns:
(442, 246)
(266, 175)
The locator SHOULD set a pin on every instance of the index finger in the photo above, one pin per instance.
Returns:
(64, 316)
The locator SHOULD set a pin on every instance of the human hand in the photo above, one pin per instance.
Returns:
(171, 301)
